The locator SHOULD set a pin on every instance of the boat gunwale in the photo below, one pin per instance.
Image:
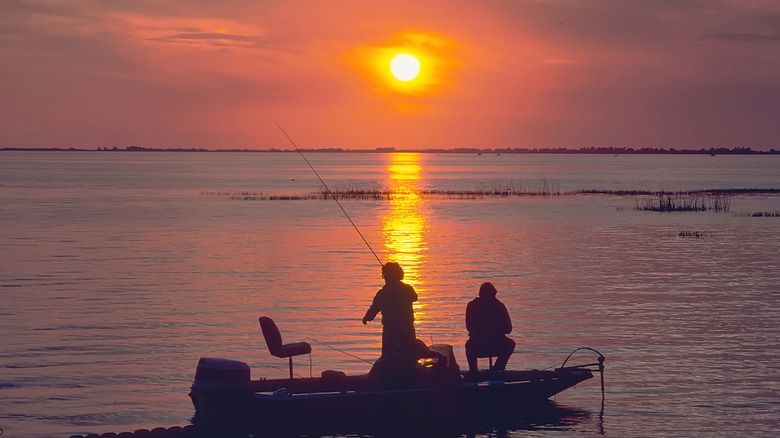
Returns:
(366, 383)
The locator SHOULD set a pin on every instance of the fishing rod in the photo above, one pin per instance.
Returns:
(330, 193)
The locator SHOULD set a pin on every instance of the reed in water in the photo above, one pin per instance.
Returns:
(685, 201)
(661, 201)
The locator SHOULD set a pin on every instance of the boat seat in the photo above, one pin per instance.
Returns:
(273, 339)
(490, 359)
(489, 352)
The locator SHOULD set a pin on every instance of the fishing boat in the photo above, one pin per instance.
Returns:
(227, 399)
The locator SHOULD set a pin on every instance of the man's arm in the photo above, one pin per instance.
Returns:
(507, 320)
(470, 324)
(373, 310)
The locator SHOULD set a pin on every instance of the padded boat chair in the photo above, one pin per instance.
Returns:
(274, 341)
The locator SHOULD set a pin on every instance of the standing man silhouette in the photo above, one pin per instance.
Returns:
(394, 300)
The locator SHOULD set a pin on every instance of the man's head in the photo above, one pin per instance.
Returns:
(487, 290)
(391, 271)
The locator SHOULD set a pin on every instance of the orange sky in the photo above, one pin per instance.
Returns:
(497, 73)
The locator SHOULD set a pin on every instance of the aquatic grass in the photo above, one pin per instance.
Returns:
(694, 234)
(259, 196)
(718, 200)
(743, 191)
(542, 187)
(498, 190)
(684, 201)
(761, 214)
(746, 192)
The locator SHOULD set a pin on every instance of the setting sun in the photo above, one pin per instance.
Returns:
(405, 67)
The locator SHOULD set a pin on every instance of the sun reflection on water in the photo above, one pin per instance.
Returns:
(404, 225)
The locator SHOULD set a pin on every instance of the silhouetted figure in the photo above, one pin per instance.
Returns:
(394, 300)
(488, 323)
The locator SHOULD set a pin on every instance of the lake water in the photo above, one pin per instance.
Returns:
(119, 270)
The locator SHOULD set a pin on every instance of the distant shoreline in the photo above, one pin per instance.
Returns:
(590, 150)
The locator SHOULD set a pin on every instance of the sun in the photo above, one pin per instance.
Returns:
(405, 67)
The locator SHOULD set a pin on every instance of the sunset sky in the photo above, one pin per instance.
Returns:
(494, 73)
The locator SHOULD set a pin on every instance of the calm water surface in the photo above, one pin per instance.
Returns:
(119, 270)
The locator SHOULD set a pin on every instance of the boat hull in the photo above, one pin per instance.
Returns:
(353, 403)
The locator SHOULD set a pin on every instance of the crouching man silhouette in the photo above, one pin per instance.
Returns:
(488, 323)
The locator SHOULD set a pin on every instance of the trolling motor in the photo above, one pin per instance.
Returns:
(587, 366)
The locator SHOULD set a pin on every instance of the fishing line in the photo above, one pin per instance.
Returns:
(341, 351)
(285, 368)
(330, 193)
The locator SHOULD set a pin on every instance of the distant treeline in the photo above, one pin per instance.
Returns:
(586, 150)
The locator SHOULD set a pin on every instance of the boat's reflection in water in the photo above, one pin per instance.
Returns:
(509, 422)
(549, 417)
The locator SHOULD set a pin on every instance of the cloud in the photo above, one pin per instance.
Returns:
(752, 27)
(215, 38)
(743, 38)
(560, 61)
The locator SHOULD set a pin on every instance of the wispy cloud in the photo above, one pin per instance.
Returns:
(215, 38)
(744, 37)
(752, 27)
(560, 61)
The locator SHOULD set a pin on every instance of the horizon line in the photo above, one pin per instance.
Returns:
(583, 150)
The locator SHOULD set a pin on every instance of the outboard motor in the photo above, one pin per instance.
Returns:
(221, 393)
(446, 351)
